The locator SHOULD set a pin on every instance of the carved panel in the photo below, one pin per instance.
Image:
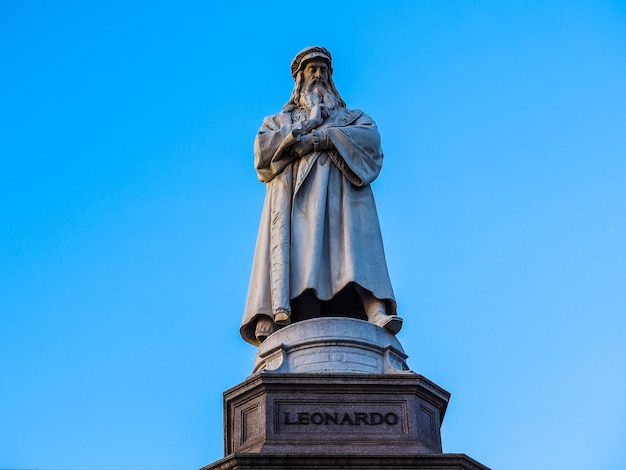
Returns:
(340, 417)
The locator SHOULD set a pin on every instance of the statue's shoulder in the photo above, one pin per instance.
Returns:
(279, 119)
(346, 116)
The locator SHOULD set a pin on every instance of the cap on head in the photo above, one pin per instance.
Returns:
(310, 53)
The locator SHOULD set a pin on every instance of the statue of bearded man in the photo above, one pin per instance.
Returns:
(319, 250)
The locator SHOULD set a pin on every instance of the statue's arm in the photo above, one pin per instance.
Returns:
(271, 147)
(354, 148)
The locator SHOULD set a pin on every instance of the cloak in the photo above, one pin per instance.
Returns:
(319, 227)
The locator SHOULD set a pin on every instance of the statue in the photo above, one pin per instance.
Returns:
(319, 250)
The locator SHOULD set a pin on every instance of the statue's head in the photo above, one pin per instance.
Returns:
(313, 74)
(307, 54)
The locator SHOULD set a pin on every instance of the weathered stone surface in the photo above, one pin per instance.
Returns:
(332, 345)
(328, 390)
(353, 462)
(319, 249)
(354, 414)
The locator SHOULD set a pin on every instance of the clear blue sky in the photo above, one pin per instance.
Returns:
(130, 205)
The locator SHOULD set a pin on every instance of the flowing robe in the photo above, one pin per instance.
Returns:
(319, 228)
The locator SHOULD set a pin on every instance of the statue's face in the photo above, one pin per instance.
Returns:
(315, 71)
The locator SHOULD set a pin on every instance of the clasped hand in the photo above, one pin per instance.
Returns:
(305, 142)
(319, 112)
(303, 146)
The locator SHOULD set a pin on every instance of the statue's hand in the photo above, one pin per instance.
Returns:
(303, 146)
(319, 112)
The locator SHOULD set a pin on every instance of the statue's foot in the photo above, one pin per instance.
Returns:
(282, 318)
(392, 323)
(264, 328)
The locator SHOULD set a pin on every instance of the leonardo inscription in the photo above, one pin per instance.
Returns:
(338, 419)
(349, 418)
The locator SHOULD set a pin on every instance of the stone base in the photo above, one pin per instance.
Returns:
(335, 393)
(332, 345)
(355, 414)
(354, 462)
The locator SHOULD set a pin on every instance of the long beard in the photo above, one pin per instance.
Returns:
(316, 93)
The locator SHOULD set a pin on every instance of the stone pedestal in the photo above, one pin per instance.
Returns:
(334, 393)
(352, 462)
(332, 345)
(337, 414)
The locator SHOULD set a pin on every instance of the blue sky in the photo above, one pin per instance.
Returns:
(130, 205)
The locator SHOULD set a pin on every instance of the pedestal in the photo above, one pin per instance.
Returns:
(334, 393)
(353, 462)
(334, 414)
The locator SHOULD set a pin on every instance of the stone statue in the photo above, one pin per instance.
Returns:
(319, 250)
